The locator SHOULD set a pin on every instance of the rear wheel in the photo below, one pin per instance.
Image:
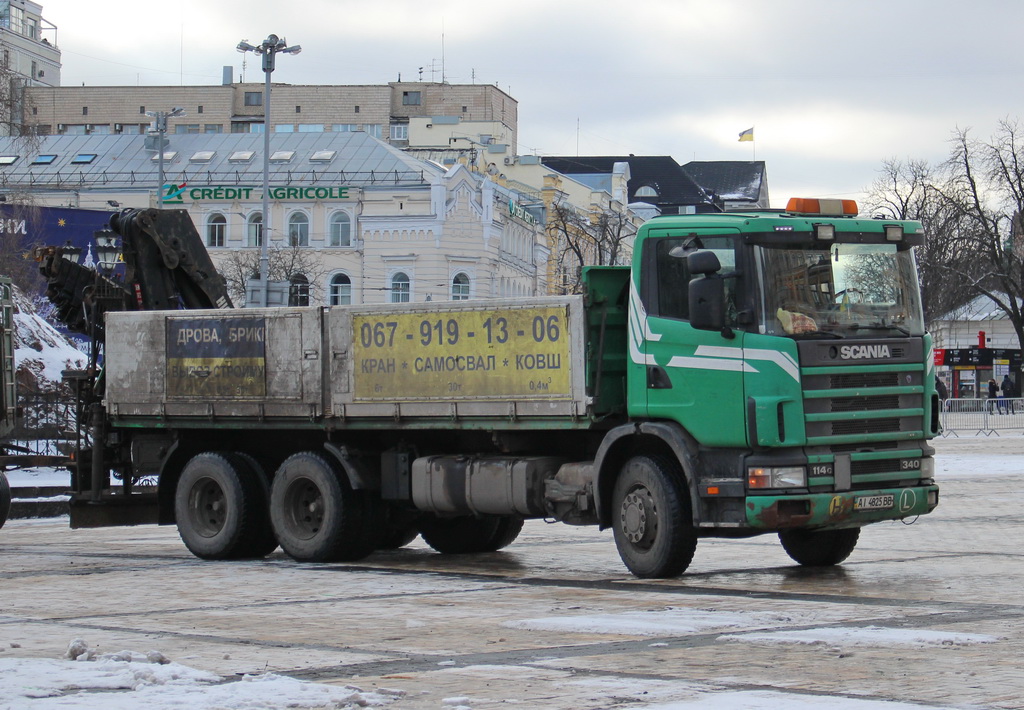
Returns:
(220, 507)
(263, 541)
(5, 499)
(315, 513)
(819, 548)
(651, 518)
(467, 534)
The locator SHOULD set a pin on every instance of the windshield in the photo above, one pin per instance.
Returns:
(840, 290)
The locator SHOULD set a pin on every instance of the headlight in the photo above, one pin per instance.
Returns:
(927, 467)
(777, 477)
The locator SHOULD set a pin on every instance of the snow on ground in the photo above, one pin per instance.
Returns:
(128, 681)
(691, 696)
(771, 700)
(669, 622)
(42, 477)
(863, 636)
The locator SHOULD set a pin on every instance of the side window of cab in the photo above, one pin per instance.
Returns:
(667, 295)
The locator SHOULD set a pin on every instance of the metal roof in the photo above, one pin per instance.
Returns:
(123, 161)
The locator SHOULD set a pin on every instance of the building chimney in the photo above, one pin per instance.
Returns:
(225, 76)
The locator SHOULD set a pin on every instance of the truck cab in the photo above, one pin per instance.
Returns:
(781, 358)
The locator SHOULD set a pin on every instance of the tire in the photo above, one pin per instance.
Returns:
(398, 527)
(5, 498)
(316, 515)
(220, 507)
(263, 541)
(507, 532)
(819, 548)
(651, 518)
(468, 534)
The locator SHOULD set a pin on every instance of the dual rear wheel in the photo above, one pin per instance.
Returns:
(226, 509)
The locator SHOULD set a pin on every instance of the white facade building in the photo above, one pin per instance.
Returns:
(364, 221)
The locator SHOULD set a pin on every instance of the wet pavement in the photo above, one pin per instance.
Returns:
(555, 621)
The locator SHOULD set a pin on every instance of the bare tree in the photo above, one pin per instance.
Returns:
(285, 263)
(21, 210)
(986, 182)
(601, 237)
(15, 106)
(915, 190)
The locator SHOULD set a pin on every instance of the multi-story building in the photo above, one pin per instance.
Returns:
(445, 112)
(28, 57)
(28, 43)
(351, 217)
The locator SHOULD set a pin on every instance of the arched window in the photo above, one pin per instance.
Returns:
(340, 232)
(216, 230)
(400, 288)
(298, 290)
(460, 287)
(254, 230)
(341, 290)
(298, 229)
(646, 191)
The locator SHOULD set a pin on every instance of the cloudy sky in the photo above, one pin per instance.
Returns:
(831, 87)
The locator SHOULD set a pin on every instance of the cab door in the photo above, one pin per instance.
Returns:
(694, 377)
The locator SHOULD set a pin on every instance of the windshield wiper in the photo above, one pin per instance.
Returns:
(819, 335)
(880, 326)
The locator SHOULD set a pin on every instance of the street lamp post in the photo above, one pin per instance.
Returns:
(269, 49)
(160, 124)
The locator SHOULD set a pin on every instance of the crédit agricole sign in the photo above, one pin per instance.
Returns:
(179, 194)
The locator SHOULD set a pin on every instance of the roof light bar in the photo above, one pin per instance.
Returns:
(822, 208)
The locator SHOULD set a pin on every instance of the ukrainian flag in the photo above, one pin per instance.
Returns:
(747, 135)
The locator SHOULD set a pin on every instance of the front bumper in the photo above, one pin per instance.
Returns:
(836, 510)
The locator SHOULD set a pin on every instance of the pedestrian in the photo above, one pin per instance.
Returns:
(940, 387)
(994, 402)
(1009, 392)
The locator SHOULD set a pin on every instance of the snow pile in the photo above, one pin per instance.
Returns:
(128, 680)
(41, 353)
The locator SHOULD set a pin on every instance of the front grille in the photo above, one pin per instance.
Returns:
(860, 468)
(866, 426)
(864, 404)
(851, 380)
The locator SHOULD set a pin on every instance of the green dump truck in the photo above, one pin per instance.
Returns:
(750, 373)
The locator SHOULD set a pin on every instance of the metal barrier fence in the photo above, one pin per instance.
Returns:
(982, 416)
(46, 424)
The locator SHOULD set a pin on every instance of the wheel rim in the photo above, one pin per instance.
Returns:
(304, 508)
(638, 518)
(208, 510)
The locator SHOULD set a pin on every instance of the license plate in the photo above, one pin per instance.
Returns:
(874, 502)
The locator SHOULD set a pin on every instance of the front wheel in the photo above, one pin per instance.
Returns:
(651, 518)
(819, 548)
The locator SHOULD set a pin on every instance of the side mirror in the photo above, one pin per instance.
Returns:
(707, 303)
